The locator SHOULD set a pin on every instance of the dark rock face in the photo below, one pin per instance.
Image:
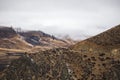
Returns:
(34, 40)
(9, 39)
(7, 32)
(35, 37)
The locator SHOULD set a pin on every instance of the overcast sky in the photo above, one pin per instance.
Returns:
(76, 18)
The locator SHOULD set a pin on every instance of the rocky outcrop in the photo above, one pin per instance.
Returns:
(36, 37)
(7, 32)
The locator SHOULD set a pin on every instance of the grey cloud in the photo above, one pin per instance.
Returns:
(73, 17)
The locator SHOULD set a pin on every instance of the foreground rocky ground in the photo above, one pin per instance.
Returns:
(64, 64)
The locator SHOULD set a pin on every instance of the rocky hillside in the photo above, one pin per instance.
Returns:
(104, 50)
(86, 60)
(33, 37)
(110, 37)
(7, 32)
(11, 40)
(40, 38)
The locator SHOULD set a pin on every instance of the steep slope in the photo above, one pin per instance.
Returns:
(11, 40)
(104, 50)
(110, 37)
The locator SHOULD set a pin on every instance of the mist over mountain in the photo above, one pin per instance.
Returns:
(61, 17)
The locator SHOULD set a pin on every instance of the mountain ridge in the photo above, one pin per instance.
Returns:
(29, 38)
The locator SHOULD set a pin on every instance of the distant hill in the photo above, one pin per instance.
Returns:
(12, 39)
(39, 38)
